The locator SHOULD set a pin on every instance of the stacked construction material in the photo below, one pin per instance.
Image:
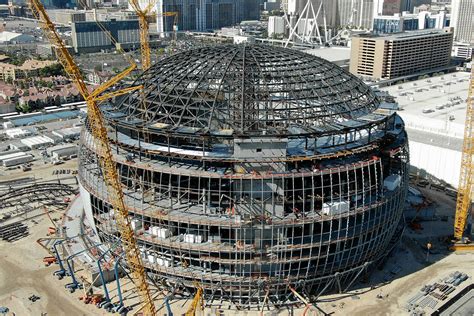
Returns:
(13, 232)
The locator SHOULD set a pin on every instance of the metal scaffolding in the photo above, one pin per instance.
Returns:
(256, 171)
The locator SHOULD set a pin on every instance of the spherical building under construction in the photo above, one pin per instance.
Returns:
(254, 171)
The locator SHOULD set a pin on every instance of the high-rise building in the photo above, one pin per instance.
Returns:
(204, 14)
(462, 19)
(356, 13)
(401, 54)
(276, 25)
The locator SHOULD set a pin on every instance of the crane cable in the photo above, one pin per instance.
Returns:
(112, 39)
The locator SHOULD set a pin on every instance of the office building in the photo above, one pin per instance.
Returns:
(410, 22)
(107, 14)
(391, 56)
(463, 20)
(89, 37)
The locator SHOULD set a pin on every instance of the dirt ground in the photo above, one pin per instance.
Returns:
(417, 268)
(22, 274)
(40, 171)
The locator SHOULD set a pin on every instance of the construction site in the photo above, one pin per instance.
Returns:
(234, 180)
(252, 190)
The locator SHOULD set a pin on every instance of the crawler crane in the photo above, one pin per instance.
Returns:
(464, 198)
(107, 164)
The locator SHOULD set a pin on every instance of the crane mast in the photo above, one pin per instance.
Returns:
(107, 164)
(465, 187)
(144, 30)
(143, 15)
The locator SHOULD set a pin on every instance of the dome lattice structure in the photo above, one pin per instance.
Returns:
(252, 170)
(249, 89)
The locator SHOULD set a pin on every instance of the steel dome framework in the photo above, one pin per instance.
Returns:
(250, 90)
(252, 170)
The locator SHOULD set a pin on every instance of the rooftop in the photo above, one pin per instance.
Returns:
(332, 54)
(41, 118)
(407, 35)
(7, 36)
(432, 95)
(29, 64)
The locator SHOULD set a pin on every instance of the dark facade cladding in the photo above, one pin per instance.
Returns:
(252, 169)
(89, 36)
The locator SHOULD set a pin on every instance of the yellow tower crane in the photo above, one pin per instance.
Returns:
(464, 198)
(144, 29)
(143, 15)
(107, 164)
(175, 22)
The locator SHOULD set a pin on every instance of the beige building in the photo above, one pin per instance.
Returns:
(30, 68)
(400, 54)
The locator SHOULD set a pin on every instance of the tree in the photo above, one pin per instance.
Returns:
(53, 70)
(9, 80)
(24, 108)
